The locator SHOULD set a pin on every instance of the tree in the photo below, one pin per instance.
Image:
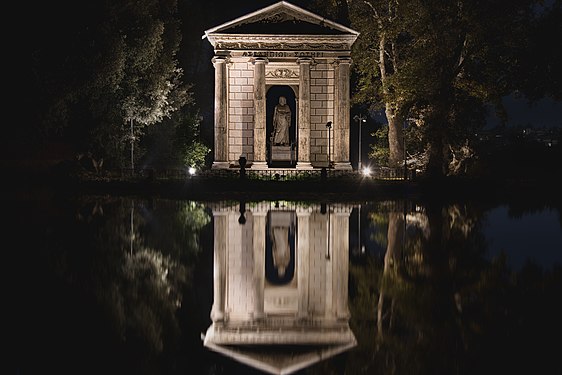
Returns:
(175, 143)
(108, 65)
(435, 64)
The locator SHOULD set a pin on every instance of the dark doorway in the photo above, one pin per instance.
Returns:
(272, 99)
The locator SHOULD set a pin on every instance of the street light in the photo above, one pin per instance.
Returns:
(329, 126)
(404, 138)
(360, 120)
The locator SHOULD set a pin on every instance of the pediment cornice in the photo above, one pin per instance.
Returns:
(282, 42)
(281, 24)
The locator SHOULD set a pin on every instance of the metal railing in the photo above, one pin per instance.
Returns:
(272, 174)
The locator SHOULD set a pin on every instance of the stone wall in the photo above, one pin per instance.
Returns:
(321, 111)
(240, 109)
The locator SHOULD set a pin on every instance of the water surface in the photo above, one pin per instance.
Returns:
(104, 284)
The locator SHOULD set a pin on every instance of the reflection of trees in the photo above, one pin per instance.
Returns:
(176, 234)
(407, 305)
(131, 261)
(435, 305)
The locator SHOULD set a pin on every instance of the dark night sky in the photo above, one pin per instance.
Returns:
(544, 113)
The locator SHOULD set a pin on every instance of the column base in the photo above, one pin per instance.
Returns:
(220, 165)
(304, 165)
(217, 316)
(259, 165)
(343, 315)
(343, 165)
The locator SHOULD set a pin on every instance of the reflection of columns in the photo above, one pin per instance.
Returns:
(341, 114)
(221, 131)
(304, 114)
(219, 265)
(340, 261)
(259, 262)
(303, 260)
(329, 307)
(259, 113)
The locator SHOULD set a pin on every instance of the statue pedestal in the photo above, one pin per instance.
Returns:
(281, 153)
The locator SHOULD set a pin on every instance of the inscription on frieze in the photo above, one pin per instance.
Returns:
(282, 54)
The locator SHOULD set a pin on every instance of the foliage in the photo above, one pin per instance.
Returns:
(437, 64)
(193, 152)
(104, 65)
(379, 149)
(175, 142)
(196, 154)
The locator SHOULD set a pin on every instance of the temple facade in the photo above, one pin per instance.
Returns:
(282, 59)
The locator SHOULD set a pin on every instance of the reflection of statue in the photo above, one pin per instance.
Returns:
(281, 122)
(280, 248)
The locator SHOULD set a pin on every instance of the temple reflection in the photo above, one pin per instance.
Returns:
(280, 284)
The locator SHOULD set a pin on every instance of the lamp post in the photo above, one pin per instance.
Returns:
(132, 149)
(404, 137)
(360, 120)
(329, 126)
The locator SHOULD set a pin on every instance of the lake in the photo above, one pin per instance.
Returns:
(102, 284)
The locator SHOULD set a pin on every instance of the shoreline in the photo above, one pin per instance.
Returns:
(331, 189)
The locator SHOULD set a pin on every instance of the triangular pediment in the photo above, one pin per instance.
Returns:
(281, 18)
(281, 347)
(281, 360)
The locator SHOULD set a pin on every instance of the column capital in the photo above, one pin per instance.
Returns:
(259, 60)
(305, 60)
(341, 60)
(220, 60)
(258, 212)
(303, 211)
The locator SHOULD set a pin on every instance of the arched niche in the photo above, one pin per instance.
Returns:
(290, 92)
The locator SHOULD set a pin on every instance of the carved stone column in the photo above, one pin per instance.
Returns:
(221, 128)
(340, 261)
(341, 113)
(304, 114)
(259, 114)
(259, 262)
(303, 260)
(219, 265)
(329, 308)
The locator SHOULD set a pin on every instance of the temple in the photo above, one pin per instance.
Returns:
(282, 51)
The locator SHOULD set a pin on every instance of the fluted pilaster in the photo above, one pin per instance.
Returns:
(259, 114)
(221, 127)
(341, 113)
(304, 114)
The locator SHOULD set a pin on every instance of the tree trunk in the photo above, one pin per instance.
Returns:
(395, 129)
(392, 259)
(395, 137)
(395, 245)
(437, 144)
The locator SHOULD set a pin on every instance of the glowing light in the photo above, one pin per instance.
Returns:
(366, 171)
(191, 171)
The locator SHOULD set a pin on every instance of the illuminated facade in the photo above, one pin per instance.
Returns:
(282, 50)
